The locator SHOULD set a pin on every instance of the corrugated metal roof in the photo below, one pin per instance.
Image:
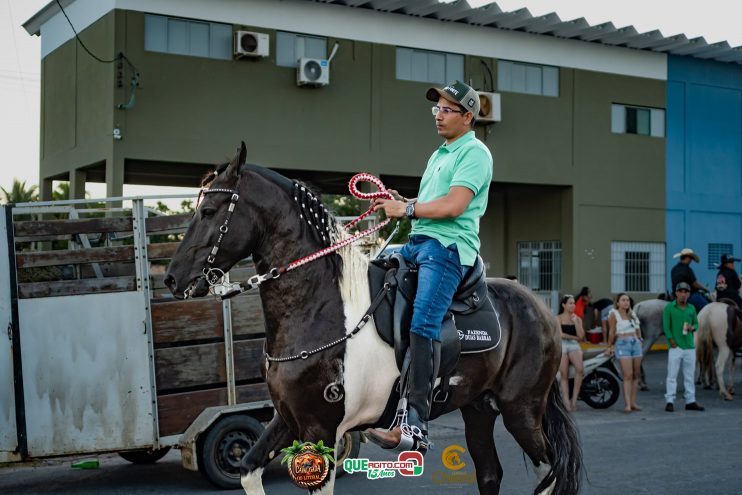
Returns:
(491, 15)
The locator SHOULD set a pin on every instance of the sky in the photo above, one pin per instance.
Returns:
(715, 20)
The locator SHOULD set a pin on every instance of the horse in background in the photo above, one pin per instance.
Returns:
(649, 313)
(718, 324)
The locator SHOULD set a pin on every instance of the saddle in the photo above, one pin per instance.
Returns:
(471, 324)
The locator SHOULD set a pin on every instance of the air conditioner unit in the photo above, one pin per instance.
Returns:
(250, 44)
(489, 108)
(313, 72)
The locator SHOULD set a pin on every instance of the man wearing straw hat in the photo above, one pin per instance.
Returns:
(682, 272)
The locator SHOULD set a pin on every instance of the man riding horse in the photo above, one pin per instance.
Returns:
(682, 272)
(727, 280)
(444, 241)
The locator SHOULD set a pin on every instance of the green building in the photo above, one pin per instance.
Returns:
(578, 196)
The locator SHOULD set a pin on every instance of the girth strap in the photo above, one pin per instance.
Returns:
(364, 319)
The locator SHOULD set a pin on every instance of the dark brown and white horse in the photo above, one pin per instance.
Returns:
(273, 220)
(719, 326)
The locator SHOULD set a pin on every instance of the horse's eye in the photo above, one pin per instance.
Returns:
(207, 212)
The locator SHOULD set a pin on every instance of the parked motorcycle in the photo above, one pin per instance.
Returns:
(601, 385)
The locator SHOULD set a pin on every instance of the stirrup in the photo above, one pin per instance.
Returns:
(412, 438)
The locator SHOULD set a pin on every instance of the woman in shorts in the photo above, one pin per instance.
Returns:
(572, 334)
(625, 338)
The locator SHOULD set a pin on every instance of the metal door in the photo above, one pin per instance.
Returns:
(8, 431)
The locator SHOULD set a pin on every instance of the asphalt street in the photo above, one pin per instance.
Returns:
(647, 452)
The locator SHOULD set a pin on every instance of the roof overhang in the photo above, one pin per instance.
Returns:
(491, 15)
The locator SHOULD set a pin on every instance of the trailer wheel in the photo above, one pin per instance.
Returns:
(144, 456)
(223, 447)
(349, 446)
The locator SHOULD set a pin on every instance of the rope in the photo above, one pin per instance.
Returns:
(353, 188)
(255, 281)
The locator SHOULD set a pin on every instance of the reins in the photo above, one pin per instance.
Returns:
(214, 276)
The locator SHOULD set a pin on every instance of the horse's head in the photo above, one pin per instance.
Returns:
(217, 237)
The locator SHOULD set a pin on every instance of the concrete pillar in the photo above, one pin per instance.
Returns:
(493, 234)
(45, 189)
(114, 176)
(78, 179)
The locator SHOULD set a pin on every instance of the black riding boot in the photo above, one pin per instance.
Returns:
(424, 358)
(421, 382)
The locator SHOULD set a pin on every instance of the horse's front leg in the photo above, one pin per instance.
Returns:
(267, 448)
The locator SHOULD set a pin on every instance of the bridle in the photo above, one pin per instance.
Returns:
(214, 276)
(211, 274)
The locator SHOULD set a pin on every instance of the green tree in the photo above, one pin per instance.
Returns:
(62, 192)
(20, 193)
(348, 206)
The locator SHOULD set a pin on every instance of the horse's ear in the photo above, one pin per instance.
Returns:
(243, 153)
(238, 160)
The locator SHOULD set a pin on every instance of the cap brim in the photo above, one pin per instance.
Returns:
(434, 94)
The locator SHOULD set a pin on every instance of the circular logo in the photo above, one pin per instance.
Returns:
(451, 457)
(334, 392)
(308, 467)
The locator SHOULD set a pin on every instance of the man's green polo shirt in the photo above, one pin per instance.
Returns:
(673, 317)
(466, 162)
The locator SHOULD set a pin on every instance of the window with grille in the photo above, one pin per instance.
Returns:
(429, 66)
(637, 266)
(540, 265)
(715, 251)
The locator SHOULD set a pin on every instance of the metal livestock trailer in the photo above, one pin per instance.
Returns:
(100, 358)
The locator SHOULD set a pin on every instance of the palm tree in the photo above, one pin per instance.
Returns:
(61, 192)
(19, 193)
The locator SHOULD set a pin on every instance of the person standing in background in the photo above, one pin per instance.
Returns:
(679, 322)
(572, 334)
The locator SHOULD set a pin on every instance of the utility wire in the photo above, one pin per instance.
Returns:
(77, 37)
(134, 79)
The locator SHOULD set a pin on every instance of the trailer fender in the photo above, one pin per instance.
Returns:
(189, 440)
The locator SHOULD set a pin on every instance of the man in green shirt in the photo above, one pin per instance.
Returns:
(679, 321)
(444, 244)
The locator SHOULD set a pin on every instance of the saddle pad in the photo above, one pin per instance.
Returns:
(479, 331)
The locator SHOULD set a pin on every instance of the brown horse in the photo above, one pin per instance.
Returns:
(248, 210)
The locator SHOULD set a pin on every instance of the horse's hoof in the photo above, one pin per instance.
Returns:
(643, 388)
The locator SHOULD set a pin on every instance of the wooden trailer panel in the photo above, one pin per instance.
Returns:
(86, 357)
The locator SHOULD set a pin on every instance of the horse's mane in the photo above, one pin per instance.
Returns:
(319, 223)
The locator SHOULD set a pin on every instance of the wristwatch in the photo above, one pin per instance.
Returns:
(410, 211)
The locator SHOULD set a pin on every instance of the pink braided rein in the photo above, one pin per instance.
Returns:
(353, 187)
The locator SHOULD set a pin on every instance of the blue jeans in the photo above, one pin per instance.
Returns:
(439, 275)
(698, 301)
(628, 347)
